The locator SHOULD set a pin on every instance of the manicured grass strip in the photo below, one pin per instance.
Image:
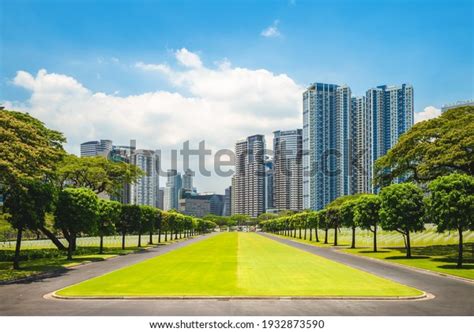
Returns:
(440, 259)
(238, 264)
(38, 261)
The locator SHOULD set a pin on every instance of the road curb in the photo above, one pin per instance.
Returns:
(424, 296)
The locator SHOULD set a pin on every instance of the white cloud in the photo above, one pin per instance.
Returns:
(271, 31)
(429, 112)
(162, 68)
(218, 105)
(188, 59)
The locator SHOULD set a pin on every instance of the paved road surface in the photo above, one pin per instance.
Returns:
(453, 297)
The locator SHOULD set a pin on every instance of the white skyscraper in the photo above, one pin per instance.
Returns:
(145, 191)
(173, 189)
(96, 148)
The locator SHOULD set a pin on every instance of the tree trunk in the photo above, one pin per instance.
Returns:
(139, 239)
(310, 234)
(123, 241)
(335, 235)
(353, 244)
(316, 234)
(166, 236)
(71, 247)
(299, 233)
(326, 235)
(459, 265)
(16, 259)
(150, 241)
(101, 244)
(159, 235)
(304, 236)
(375, 237)
(52, 237)
(408, 245)
(176, 235)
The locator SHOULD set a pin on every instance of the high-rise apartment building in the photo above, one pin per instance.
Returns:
(145, 190)
(227, 210)
(457, 104)
(361, 135)
(269, 184)
(173, 189)
(343, 137)
(248, 183)
(319, 145)
(188, 180)
(161, 196)
(123, 154)
(96, 148)
(287, 170)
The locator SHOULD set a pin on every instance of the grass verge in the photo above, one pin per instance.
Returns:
(438, 258)
(38, 261)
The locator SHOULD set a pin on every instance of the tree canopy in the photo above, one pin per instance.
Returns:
(431, 148)
(451, 205)
(96, 173)
(28, 150)
(402, 209)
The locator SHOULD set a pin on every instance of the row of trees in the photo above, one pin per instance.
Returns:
(79, 211)
(38, 177)
(436, 160)
(403, 207)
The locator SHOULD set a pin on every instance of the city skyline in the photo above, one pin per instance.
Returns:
(235, 79)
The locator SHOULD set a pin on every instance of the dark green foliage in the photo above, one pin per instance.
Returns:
(77, 212)
(402, 210)
(367, 214)
(109, 215)
(130, 221)
(451, 205)
(27, 205)
(431, 148)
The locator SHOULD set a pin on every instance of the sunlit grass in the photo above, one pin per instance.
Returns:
(238, 264)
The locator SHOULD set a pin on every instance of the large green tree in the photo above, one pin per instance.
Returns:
(26, 206)
(29, 151)
(346, 212)
(451, 206)
(431, 148)
(109, 216)
(402, 209)
(333, 218)
(77, 212)
(366, 214)
(130, 221)
(148, 217)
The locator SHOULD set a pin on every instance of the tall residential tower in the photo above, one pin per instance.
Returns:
(287, 170)
(248, 183)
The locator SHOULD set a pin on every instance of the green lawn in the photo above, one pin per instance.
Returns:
(438, 258)
(364, 238)
(37, 261)
(238, 264)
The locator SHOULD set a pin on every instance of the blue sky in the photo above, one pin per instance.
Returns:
(361, 43)
(97, 44)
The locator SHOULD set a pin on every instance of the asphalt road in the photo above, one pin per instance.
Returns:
(452, 297)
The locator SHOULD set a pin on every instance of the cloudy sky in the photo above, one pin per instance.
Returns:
(165, 72)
